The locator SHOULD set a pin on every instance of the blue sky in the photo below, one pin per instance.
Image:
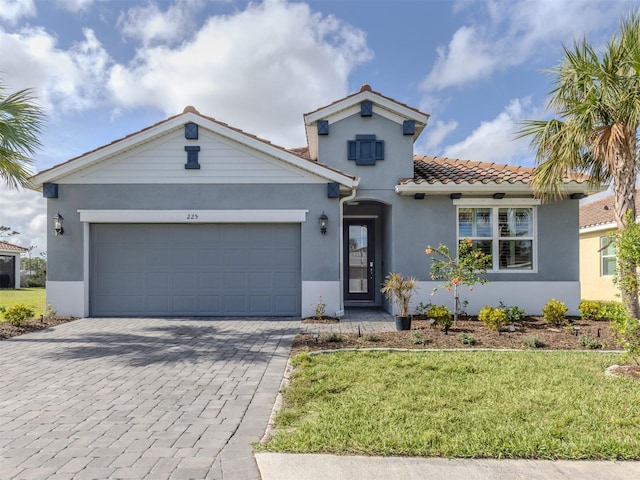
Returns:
(103, 69)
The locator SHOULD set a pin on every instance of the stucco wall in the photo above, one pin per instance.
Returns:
(592, 284)
(319, 252)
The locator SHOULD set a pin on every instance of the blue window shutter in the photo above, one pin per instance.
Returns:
(50, 190)
(323, 127)
(352, 153)
(409, 127)
(366, 154)
(191, 131)
(366, 108)
(379, 150)
(333, 190)
(192, 158)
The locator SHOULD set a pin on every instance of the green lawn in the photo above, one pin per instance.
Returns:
(33, 297)
(460, 404)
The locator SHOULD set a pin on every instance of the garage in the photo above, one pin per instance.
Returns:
(194, 270)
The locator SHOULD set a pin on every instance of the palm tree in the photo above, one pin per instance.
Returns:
(21, 122)
(597, 102)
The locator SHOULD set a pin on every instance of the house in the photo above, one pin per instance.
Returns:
(10, 264)
(193, 217)
(597, 255)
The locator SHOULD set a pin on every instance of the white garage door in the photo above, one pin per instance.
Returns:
(195, 270)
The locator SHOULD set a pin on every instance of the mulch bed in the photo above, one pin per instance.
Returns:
(7, 330)
(554, 338)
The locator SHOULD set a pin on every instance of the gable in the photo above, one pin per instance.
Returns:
(166, 160)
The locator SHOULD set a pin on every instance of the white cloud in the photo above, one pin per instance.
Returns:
(76, 5)
(257, 69)
(25, 212)
(436, 135)
(150, 25)
(64, 80)
(494, 140)
(510, 33)
(13, 10)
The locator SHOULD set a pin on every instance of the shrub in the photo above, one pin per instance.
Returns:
(626, 329)
(533, 341)
(467, 338)
(371, 337)
(554, 312)
(589, 342)
(423, 308)
(493, 318)
(417, 338)
(17, 314)
(513, 313)
(51, 313)
(590, 310)
(333, 337)
(441, 315)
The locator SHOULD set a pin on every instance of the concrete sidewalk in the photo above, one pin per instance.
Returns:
(280, 466)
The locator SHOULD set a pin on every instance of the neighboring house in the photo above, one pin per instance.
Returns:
(597, 255)
(193, 217)
(10, 264)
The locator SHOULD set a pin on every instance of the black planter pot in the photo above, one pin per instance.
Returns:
(403, 323)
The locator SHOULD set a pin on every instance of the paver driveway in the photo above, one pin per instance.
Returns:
(139, 398)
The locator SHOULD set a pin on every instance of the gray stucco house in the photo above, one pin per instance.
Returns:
(10, 264)
(192, 217)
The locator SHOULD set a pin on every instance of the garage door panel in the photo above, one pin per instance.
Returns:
(204, 269)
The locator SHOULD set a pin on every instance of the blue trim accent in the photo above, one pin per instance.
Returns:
(366, 108)
(409, 127)
(323, 127)
(365, 150)
(333, 190)
(50, 190)
(191, 131)
(192, 158)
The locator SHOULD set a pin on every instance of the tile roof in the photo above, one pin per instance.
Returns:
(600, 212)
(11, 247)
(441, 170)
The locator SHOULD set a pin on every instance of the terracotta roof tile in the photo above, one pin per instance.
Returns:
(600, 212)
(440, 170)
(12, 247)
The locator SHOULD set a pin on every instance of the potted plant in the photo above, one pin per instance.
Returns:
(399, 290)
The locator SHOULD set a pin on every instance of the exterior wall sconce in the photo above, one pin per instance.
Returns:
(57, 224)
(323, 223)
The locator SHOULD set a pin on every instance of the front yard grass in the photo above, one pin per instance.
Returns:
(553, 405)
(32, 297)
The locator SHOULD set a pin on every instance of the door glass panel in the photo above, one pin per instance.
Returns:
(358, 258)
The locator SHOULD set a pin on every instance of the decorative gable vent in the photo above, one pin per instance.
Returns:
(409, 127)
(365, 150)
(192, 158)
(333, 190)
(50, 190)
(191, 131)
(323, 127)
(366, 108)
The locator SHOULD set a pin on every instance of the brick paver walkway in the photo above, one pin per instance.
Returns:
(140, 398)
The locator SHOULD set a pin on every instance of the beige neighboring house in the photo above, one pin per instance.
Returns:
(10, 264)
(597, 257)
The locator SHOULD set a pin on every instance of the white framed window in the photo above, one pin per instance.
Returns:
(507, 233)
(607, 257)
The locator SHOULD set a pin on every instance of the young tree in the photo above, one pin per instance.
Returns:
(596, 99)
(21, 122)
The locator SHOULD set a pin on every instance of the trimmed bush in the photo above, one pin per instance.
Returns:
(442, 316)
(590, 310)
(17, 314)
(555, 312)
(533, 341)
(467, 338)
(493, 318)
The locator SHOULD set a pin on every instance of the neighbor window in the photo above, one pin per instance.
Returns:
(607, 257)
(506, 233)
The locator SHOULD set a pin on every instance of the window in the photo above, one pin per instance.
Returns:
(505, 233)
(607, 257)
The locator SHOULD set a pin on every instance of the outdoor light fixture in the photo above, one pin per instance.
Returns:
(316, 336)
(57, 224)
(323, 222)
(576, 330)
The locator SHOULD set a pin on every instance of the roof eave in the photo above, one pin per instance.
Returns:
(483, 188)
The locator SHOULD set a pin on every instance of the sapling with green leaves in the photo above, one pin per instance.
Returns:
(468, 268)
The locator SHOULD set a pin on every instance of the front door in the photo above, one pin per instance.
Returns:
(359, 260)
